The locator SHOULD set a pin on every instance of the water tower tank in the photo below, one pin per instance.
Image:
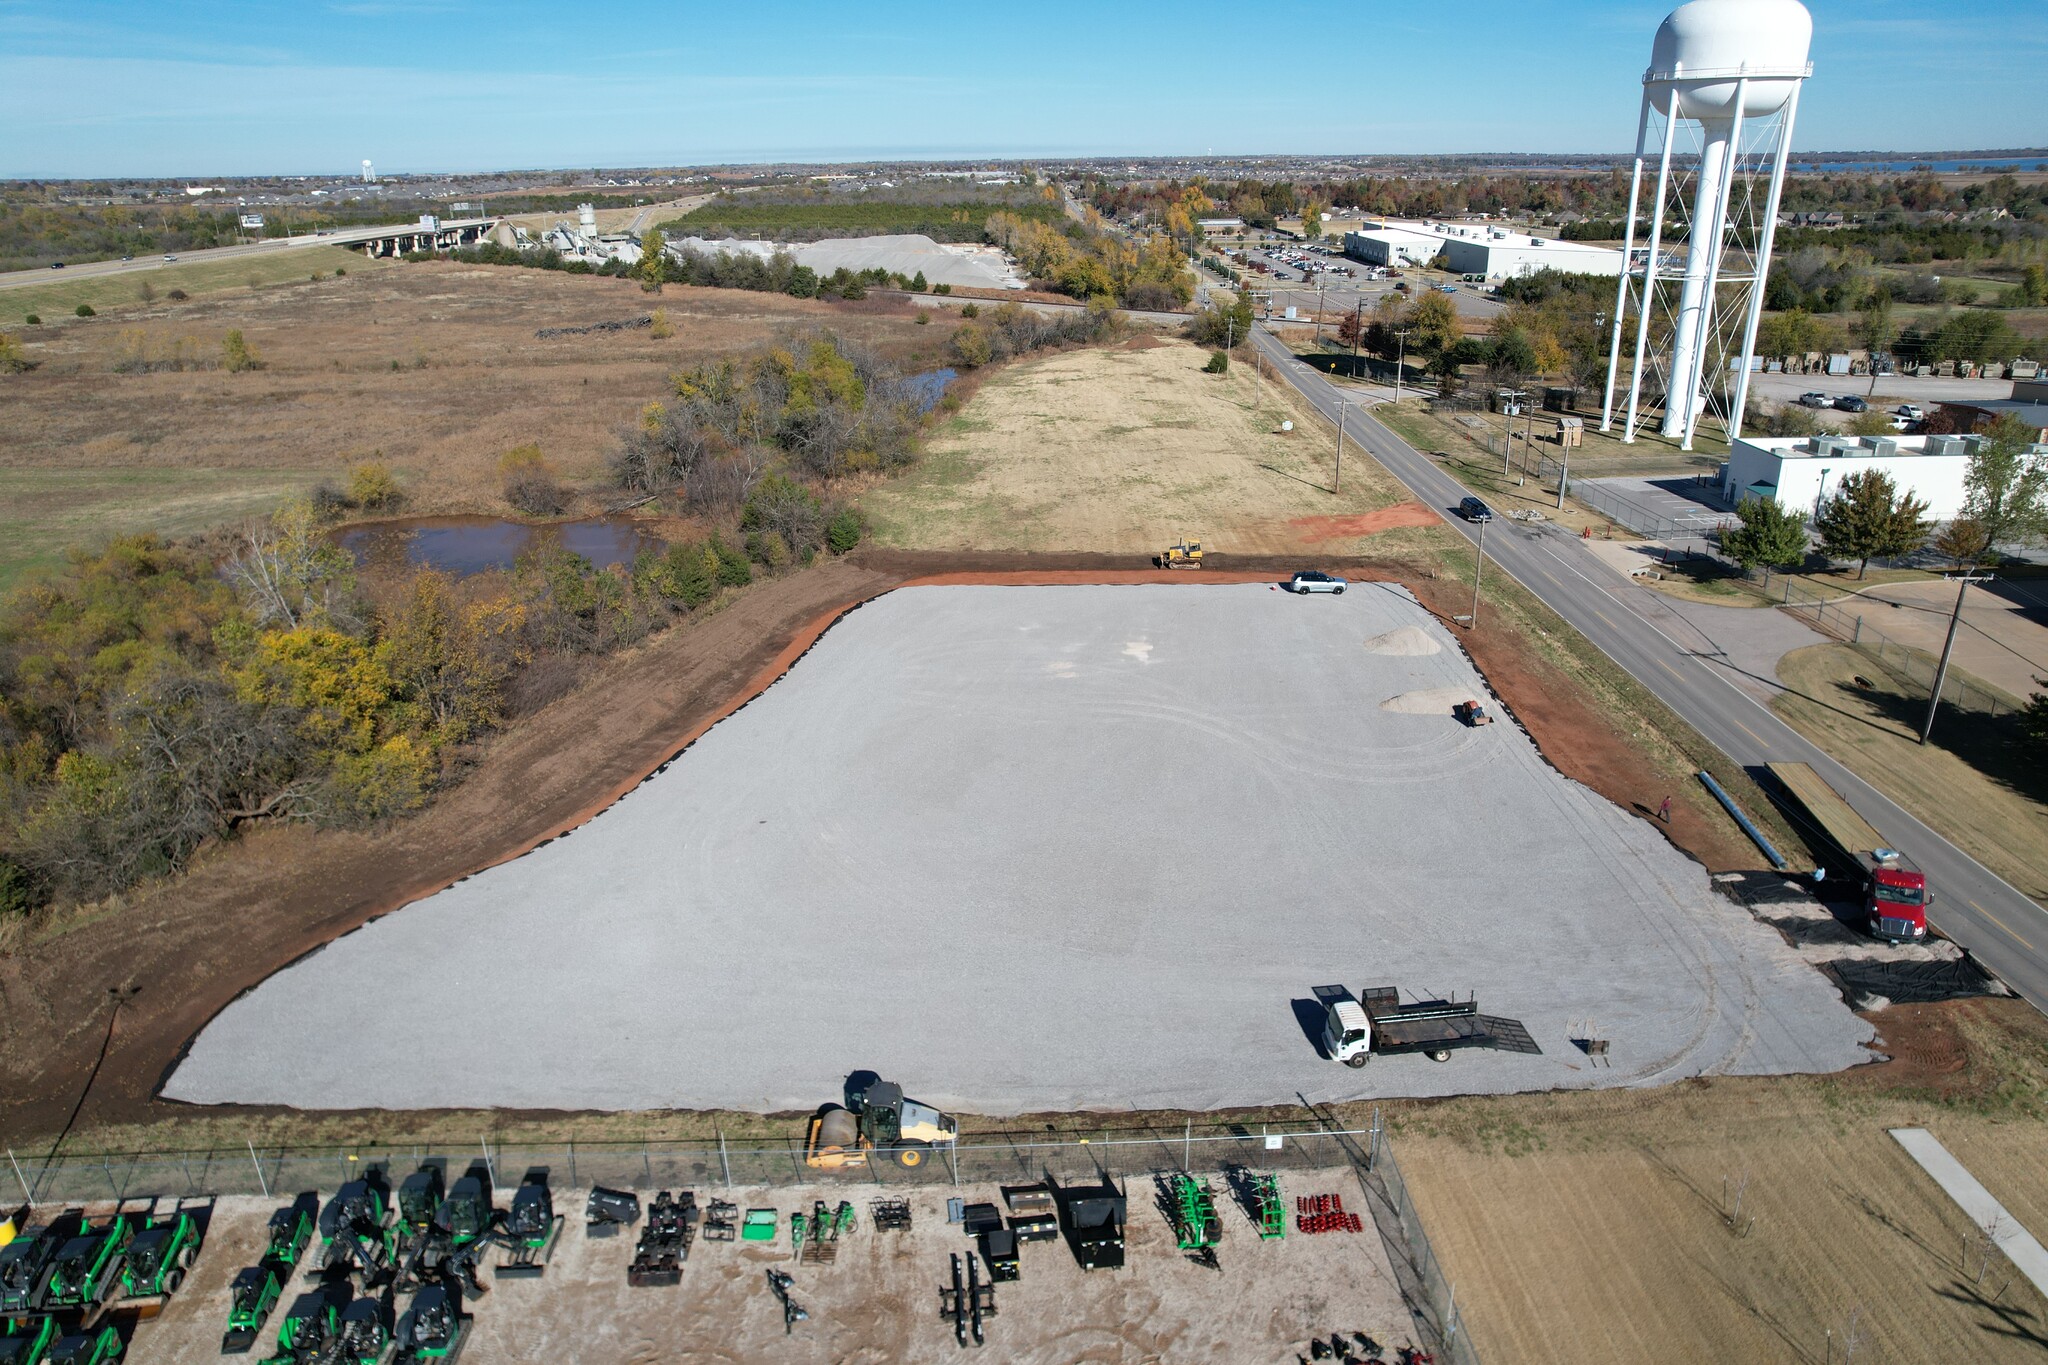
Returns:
(1702, 49)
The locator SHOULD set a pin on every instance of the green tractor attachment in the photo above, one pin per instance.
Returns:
(160, 1255)
(31, 1344)
(1272, 1217)
(97, 1346)
(311, 1329)
(1195, 1225)
(253, 1294)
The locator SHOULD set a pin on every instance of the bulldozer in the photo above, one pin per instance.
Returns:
(1183, 554)
(876, 1118)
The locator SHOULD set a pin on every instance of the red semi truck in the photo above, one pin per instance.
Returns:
(1895, 895)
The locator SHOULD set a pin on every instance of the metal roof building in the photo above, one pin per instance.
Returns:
(1477, 249)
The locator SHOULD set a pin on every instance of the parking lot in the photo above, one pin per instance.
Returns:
(1052, 848)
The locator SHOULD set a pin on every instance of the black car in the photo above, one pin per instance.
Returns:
(1851, 403)
(1472, 509)
(56, 265)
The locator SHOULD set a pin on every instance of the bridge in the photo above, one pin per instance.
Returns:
(408, 237)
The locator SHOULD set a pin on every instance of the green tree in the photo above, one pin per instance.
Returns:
(1432, 323)
(652, 268)
(1770, 535)
(2005, 488)
(1312, 219)
(2034, 720)
(1963, 542)
(1876, 331)
(237, 355)
(2034, 285)
(917, 283)
(1868, 516)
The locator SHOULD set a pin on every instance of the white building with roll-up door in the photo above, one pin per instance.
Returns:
(1802, 472)
(1483, 249)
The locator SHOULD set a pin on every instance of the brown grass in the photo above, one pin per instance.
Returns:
(434, 366)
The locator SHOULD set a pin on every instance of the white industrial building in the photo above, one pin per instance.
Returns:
(1802, 472)
(1481, 249)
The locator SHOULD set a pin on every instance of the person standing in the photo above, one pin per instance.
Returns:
(1664, 811)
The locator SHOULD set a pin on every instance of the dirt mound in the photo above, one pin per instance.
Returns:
(1406, 642)
(1430, 701)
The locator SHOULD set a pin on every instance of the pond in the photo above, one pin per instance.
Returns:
(468, 545)
(928, 388)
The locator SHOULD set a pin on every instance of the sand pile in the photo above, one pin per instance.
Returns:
(1406, 642)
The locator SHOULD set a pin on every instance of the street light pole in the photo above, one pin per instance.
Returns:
(1339, 486)
(1478, 569)
(1963, 582)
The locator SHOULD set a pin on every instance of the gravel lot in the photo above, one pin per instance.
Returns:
(1030, 848)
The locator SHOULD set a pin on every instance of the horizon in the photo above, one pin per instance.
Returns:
(238, 89)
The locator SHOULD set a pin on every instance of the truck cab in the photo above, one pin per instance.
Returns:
(1347, 1033)
(1896, 897)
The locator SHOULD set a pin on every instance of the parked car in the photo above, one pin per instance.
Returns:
(1851, 403)
(56, 265)
(1472, 509)
(1815, 400)
(1315, 580)
(170, 258)
(1910, 412)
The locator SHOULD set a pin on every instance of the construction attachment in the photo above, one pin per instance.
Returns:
(792, 1311)
(1191, 1206)
(1324, 1213)
(1034, 1217)
(814, 1236)
(889, 1215)
(665, 1242)
(968, 1303)
(721, 1221)
(606, 1211)
(1267, 1211)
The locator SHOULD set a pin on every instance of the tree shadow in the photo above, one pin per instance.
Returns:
(2007, 1320)
(1311, 483)
(1998, 747)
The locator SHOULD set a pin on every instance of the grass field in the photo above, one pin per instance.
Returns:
(958, 220)
(44, 511)
(1602, 1229)
(55, 299)
(1976, 783)
(1126, 450)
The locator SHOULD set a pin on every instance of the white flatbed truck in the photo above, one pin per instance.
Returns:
(1374, 1021)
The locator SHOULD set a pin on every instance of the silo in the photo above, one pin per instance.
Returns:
(1725, 76)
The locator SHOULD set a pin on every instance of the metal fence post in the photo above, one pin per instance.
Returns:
(724, 1162)
(261, 1183)
(26, 1192)
(1187, 1148)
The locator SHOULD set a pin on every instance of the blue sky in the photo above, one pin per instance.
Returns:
(225, 87)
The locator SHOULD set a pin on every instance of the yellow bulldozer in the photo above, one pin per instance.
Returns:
(1183, 554)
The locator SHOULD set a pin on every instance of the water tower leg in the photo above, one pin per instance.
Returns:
(1635, 190)
(1688, 338)
(1635, 383)
(1763, 266)
(1702, 381)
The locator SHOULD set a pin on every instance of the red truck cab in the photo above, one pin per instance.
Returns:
(1897, 898)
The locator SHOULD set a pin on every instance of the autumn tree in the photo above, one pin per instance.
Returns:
(2005, 488)
(1963, 541)
(652, 268)
(1869, 516)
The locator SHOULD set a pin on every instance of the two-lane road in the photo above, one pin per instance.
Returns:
(2005, 930)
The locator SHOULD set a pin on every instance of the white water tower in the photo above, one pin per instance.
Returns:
(1720, 95)
(369, 173)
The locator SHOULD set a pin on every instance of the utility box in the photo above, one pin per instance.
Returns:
(1571, 432)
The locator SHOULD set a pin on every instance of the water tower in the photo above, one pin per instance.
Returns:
(1719, 98)
(369, 173)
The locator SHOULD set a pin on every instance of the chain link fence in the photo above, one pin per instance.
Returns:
(1126, 1154)
(1915, 667)
(1641, 518)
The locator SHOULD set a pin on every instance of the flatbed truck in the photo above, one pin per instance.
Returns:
(1895, 894)
(1374, 1021)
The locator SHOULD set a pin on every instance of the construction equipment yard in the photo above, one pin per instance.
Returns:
(1039, 848)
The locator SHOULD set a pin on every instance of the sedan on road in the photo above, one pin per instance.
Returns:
(1472, 509)
(1315, 580)
(1851, 403)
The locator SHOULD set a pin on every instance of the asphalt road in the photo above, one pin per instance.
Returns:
(2006, 931)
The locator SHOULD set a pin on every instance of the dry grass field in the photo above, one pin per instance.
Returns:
(434, 368)
(54, 295)
(1126, 449)
(1600, 1228)
(1970, 784)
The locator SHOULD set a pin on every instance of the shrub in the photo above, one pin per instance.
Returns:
(1219, 363)
(21, 891)
(84, 310)
(33, 320)
(534, 492)
(942, 289)
(177, 296)
(970, 310)
(388, 780)
(13, 360)
(923, 318)
(237, 355)
(844, 531)
(769, 548)
(339, 271)
(328, 500)
(517, 458)
(661, 329)
(733, 569)
(372, 484)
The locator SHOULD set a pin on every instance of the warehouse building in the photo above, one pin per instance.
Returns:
(1481, 249)
(1802, 472)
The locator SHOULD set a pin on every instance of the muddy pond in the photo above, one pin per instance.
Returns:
(468, 545)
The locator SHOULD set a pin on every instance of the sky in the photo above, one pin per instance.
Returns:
(175, 88)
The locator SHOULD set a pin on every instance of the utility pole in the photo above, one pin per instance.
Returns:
(1319, 313)
(1478, 568)
(1400, 359)
(1341, 405)
(1508, 397)
(1963, 581)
